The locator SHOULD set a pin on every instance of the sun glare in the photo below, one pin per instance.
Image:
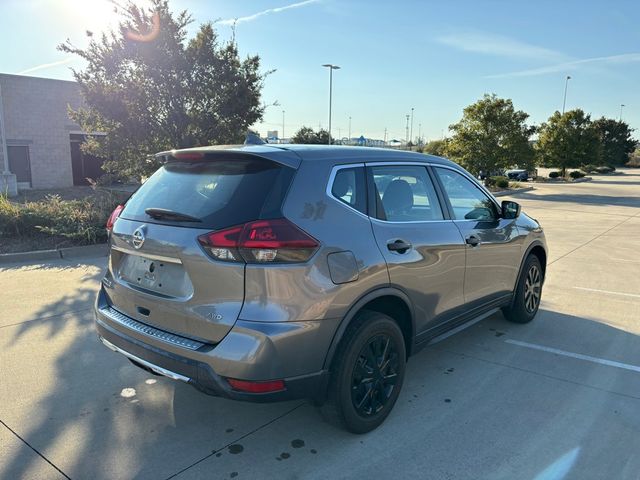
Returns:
(93, 15)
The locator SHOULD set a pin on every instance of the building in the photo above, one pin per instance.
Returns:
(39, 138)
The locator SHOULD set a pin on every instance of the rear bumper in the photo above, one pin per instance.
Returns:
(243, 355)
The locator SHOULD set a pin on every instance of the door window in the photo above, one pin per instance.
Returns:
(19, 163)
(405, 193)
(467, 200)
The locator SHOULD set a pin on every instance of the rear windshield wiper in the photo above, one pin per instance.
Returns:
(163, 213)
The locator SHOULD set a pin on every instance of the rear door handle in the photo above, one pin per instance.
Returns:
(399, 246)
(472, 240)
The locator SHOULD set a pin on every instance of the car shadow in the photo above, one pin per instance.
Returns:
(587, 199)
(94, 415)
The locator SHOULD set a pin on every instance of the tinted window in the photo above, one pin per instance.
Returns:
(349, 187)
(220, 193)
(405, 194)
(467, 200)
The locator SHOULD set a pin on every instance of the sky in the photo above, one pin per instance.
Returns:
(434, 57)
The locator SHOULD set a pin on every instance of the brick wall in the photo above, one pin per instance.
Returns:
(36, 114)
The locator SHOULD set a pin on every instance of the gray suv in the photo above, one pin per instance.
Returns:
(274, 272)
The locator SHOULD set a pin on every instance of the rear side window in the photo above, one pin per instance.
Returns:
(349, 187)
(219, 193)
(405, 193)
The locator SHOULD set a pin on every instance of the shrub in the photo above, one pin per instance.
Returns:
(80, 221)
(554, 174)
(497, 181)
(576, 174)
(588, 168)
(604, 169)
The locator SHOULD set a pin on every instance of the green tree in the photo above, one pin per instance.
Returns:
(491, 135)
(436, 147)
(616, 143)
(150, 88)
(309, 136)
(568, 140)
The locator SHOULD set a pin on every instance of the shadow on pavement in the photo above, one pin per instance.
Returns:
(588, 199)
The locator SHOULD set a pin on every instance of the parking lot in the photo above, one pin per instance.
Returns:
(557, 398)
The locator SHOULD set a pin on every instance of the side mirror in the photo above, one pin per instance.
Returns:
(510, 209)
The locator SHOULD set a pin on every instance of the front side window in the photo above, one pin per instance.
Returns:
(467, 200)
(405, 193)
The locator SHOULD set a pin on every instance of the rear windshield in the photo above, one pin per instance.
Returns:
(220, 193)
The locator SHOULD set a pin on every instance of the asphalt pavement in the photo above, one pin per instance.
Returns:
(558, 398)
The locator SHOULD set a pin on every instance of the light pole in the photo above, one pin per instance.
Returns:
(349, 129)
(622, 105)
(419, 134)
(407, 130)
(385, 135)
(282, 126)
(411, 134)
(564, 101)
(331, 69)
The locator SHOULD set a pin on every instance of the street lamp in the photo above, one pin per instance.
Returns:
(349, 129)
(566, 84)
(331, 69)
(282, 126)
(411, 135)
(407, 130)
(621, 106)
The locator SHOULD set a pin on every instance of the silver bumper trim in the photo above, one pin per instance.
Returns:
(159, 370)
(158, 334)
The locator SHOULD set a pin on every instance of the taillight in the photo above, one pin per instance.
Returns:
(262, 241)
(114, 216)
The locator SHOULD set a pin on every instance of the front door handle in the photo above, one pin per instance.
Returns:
(472, 240)
(399, 246)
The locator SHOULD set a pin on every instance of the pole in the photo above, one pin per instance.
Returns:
(621, 106)
(419, 134)
(349, 129)
(564, 101)
(411, 135)
(385, 135)
(331, 68)
(283, 125)
(5, 153)
(407, 130)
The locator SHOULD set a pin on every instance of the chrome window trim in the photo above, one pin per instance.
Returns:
(159, 370)
(161, 335)
(332, 177)
(160, 258)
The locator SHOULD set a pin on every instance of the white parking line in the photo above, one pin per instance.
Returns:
(634, 295)
(588, 358)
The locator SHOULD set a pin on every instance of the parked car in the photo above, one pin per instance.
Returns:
(271, 272)
(517, 174)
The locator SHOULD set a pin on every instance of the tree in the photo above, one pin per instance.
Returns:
(615, 140)
(307, 135)
(491, 135)
(149, 88)
(436, 147)
(568, 140)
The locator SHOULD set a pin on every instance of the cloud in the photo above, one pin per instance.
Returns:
(572, 65)
(44, 66)
(250, 18)
(498, 45)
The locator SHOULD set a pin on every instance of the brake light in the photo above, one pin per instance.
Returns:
(114, 216)
(262, 241)
(256, 387)
(188, 155)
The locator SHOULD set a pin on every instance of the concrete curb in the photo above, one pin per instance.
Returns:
(504, 193)
(562, 182)
(100, 250)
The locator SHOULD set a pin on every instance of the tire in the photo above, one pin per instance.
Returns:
(367, 373)
(528, 293)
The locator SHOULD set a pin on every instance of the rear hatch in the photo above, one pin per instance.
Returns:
(162, 275)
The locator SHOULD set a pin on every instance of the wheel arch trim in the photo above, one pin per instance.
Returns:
(357, 306)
